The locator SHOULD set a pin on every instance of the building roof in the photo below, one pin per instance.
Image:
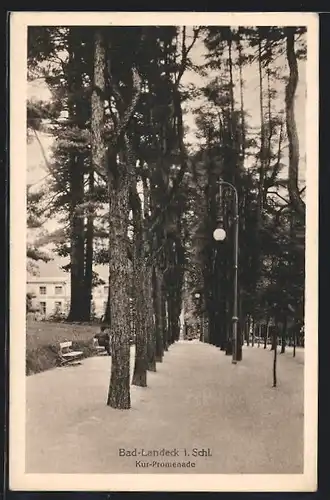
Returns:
(48, 279)
(52, 269)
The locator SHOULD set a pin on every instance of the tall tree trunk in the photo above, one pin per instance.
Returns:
(119, 389)
(269, 139)
(229, 329)
(241, 86)
(275, 355)
(179, 260)
(157, 287)
(259, 221)
(77, 252)
(275, 336)
(119, 182)
(76, 176)
(150, 324)
(169, 317)
(164, 318)
(248, 330)
(88, 282)
(262, 138)
(266, 333)
(240, 332)
(173, 316)
(140, 366)
(231, 92)
(97, 160)
(147, 288)
(291, 126)
(107, 312)
(284, 334)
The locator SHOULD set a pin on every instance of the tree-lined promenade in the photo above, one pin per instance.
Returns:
(127, 190)
(220, 420)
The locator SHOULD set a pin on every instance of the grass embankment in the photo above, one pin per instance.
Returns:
(43, 338)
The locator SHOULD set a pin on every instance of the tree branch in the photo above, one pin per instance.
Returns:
(121, 126)
(281, 197)
(42, 150)
(185, 53)
(184, 166)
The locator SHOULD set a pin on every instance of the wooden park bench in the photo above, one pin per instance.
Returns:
(67, 355)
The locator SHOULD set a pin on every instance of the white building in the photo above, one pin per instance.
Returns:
(52, 295)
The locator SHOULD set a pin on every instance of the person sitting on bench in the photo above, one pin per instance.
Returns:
(103, 339)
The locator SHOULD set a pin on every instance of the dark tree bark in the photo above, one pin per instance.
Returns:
(257, 260)
(119, 389)
(119, 183)
(239, 349)
(262, 138)
(140, 366)
(291, 126)
(77, 251)
(88, 281)
(241, 86)
(248, 330)
(179, 266)
(275, 355)
(147, 287)
(231, 92)
(274, 337)
(97, 162)
(157, 288)
(107, 313)
(150, 325)
(76, 177)
(229, 328)
(164, 318)
(284, 334)
(169, 317)
(266, 333)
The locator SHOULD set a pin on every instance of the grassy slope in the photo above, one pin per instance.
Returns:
(43, 338)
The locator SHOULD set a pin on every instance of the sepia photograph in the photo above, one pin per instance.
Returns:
(164, 227)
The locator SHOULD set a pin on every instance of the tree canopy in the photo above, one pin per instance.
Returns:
(129, 191)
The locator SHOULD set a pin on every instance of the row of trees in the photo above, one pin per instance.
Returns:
(127, 192)
(118, 163)
(255, 160)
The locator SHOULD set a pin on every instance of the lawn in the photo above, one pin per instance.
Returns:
(43, 338)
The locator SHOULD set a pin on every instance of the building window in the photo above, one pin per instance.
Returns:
(43, 307)
(58, 307)
(42, 290)
(58, 290)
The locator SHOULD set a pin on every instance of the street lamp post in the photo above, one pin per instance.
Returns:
(219, 234)
(201, 336)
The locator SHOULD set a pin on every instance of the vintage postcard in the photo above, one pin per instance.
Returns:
(163, 251)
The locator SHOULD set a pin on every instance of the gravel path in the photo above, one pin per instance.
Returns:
(197, 400)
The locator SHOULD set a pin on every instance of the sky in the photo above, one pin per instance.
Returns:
(37, 168)
(251, 94)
